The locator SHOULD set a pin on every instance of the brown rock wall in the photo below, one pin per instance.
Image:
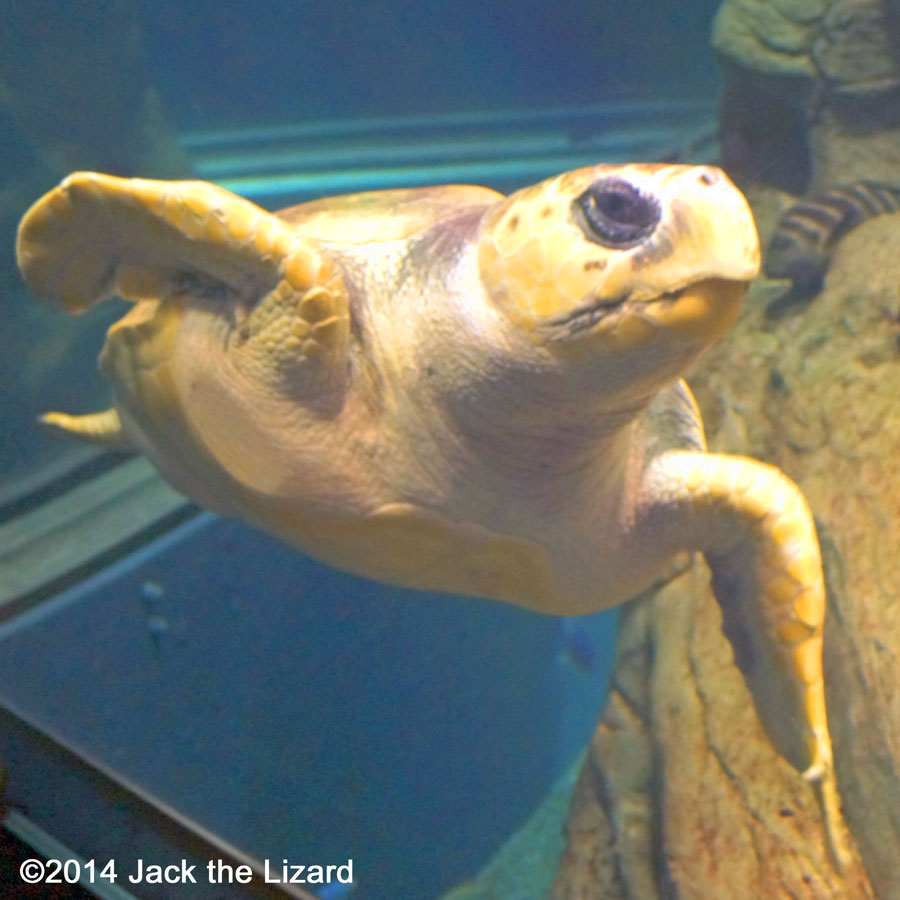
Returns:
(812, 90)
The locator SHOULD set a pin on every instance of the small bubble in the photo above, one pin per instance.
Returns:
(157, 626)
(152, 592)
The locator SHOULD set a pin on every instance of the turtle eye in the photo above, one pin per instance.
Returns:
(614, 213)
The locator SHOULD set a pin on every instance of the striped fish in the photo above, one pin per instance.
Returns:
(808, 232)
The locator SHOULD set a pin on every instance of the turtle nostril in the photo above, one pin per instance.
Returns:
(710, 176)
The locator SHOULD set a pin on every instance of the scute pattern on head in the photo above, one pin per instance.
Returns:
(541, 265)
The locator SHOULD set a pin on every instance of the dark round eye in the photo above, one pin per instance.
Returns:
(616, 214)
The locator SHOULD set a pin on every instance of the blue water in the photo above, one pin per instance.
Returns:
(245, 61)
(302, 713)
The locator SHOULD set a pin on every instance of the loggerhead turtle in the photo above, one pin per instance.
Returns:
(453, 390)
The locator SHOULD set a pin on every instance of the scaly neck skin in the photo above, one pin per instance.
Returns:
(497, 431)
(560, 447)
(567, 487)
(486, 403)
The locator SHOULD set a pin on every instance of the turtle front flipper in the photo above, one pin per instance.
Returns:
(174, 247)
(97, 235)
(758, 536)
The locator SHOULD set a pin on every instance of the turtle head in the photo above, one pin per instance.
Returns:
(636, 266)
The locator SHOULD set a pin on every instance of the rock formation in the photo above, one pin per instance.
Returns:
(812, 90)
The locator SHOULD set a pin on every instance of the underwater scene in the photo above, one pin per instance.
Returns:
(448, 450)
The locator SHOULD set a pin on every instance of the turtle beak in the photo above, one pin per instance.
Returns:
(703, 311)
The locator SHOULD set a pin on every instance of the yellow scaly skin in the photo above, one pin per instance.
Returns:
(456, 391)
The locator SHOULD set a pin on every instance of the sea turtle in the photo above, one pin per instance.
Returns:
(453, 390)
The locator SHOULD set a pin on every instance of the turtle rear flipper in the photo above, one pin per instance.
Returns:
(95, 236)
(101, 428)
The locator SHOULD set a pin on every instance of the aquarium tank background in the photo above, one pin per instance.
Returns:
(180, 686)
